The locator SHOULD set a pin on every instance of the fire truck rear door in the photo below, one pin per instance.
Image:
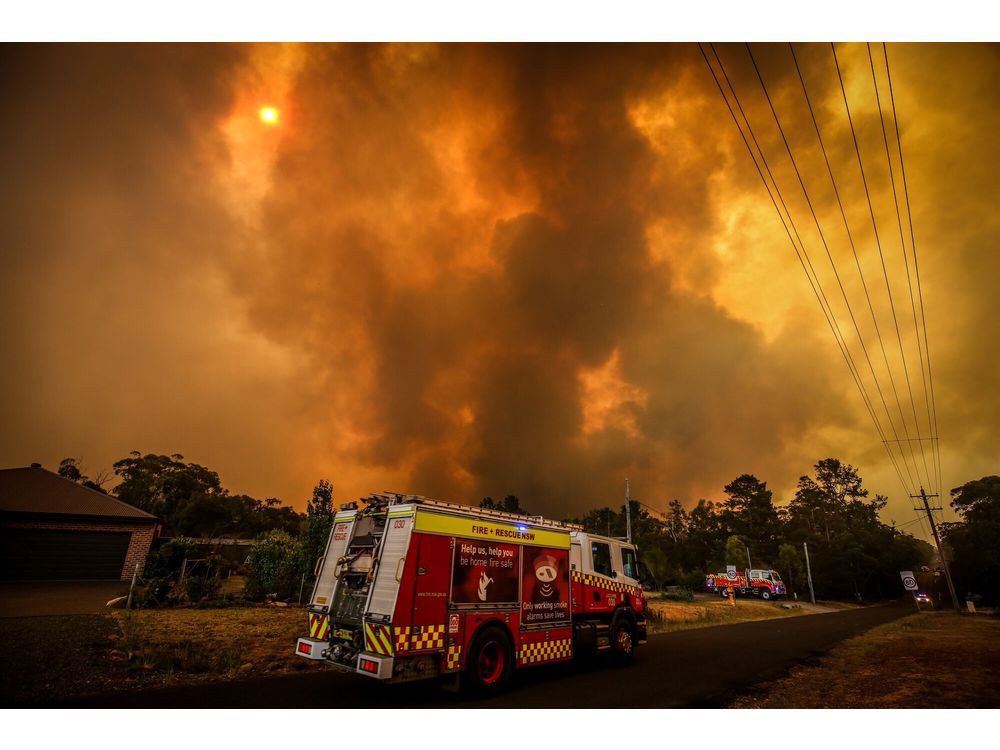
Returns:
(340, 535)
(392, 558)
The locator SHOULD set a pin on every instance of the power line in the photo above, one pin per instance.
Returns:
(878, 244)
(815, 286)
(826, 247)
(854, 251)
(916, 267)
(906, 264)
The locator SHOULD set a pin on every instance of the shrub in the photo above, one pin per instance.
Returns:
(275, 564)
(678, 594)
(167, 560)
(694, 580)
(134, 632)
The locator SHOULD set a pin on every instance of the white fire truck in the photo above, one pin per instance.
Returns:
(412, 588)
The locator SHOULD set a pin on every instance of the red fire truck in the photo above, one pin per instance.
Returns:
(412, 588)
(765, 584)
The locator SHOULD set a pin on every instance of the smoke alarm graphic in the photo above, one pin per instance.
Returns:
(545, 572)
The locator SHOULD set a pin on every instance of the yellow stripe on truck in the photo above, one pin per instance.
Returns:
(319, 625)
(378, 639)
(476, 528)
(385, 639)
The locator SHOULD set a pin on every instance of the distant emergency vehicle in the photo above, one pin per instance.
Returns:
(765, 584)
(411, 588)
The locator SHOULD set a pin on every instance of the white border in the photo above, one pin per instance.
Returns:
(512, 20)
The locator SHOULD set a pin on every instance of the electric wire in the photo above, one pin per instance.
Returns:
(916, 268)
(817, 289)
(878, 244)
(906, 265)
(817, 285)
(850, 237)
(829, 254)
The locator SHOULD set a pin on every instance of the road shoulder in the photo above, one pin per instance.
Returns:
(930, 660)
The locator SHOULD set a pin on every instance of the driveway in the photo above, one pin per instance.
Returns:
(29, 599)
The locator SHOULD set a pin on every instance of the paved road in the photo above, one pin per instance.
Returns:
(689, 668)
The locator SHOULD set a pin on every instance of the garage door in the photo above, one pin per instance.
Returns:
(46, 555)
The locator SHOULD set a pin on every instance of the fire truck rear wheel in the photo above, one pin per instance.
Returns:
(490, 661)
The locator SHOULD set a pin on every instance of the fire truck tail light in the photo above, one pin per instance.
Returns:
(305, 648)
(369, 666)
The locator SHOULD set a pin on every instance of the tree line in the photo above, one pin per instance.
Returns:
(187, 498)
(853, 554)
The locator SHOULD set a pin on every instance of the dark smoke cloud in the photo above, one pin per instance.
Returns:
(472, 270)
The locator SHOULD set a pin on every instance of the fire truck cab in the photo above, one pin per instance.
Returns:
(412, 588)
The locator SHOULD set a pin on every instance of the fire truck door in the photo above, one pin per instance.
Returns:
(326, 580)
(433, 579)
(392, 557)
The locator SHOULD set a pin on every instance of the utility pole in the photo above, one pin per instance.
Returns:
(749, 564)
(937, 540)
(809, 575)
(628, 514)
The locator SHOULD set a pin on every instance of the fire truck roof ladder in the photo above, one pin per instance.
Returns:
(395, 498)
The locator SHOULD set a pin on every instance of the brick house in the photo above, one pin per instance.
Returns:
(54, 529)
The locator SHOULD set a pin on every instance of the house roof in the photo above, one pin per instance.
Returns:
(40, 491)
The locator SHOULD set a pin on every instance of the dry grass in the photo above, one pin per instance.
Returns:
(666, 616)
(142, 649)
(931, 660)
(178, 643)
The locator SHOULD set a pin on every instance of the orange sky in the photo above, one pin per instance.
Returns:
(471, 270)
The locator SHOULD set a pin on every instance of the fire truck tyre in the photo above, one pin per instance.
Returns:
(765, 594)
(490, 662)
(622, 642)
(723, 594)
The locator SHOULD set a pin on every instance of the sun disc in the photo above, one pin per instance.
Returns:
(268, 115)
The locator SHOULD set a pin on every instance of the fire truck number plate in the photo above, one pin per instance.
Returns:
(343, 633)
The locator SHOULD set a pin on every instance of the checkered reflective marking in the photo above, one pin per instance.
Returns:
(319, 626)
(604, 583)
(402, 638)
(429, 637)
(453, 659)
(532, 653)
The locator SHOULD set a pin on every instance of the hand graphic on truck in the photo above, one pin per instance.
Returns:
(484, 581)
